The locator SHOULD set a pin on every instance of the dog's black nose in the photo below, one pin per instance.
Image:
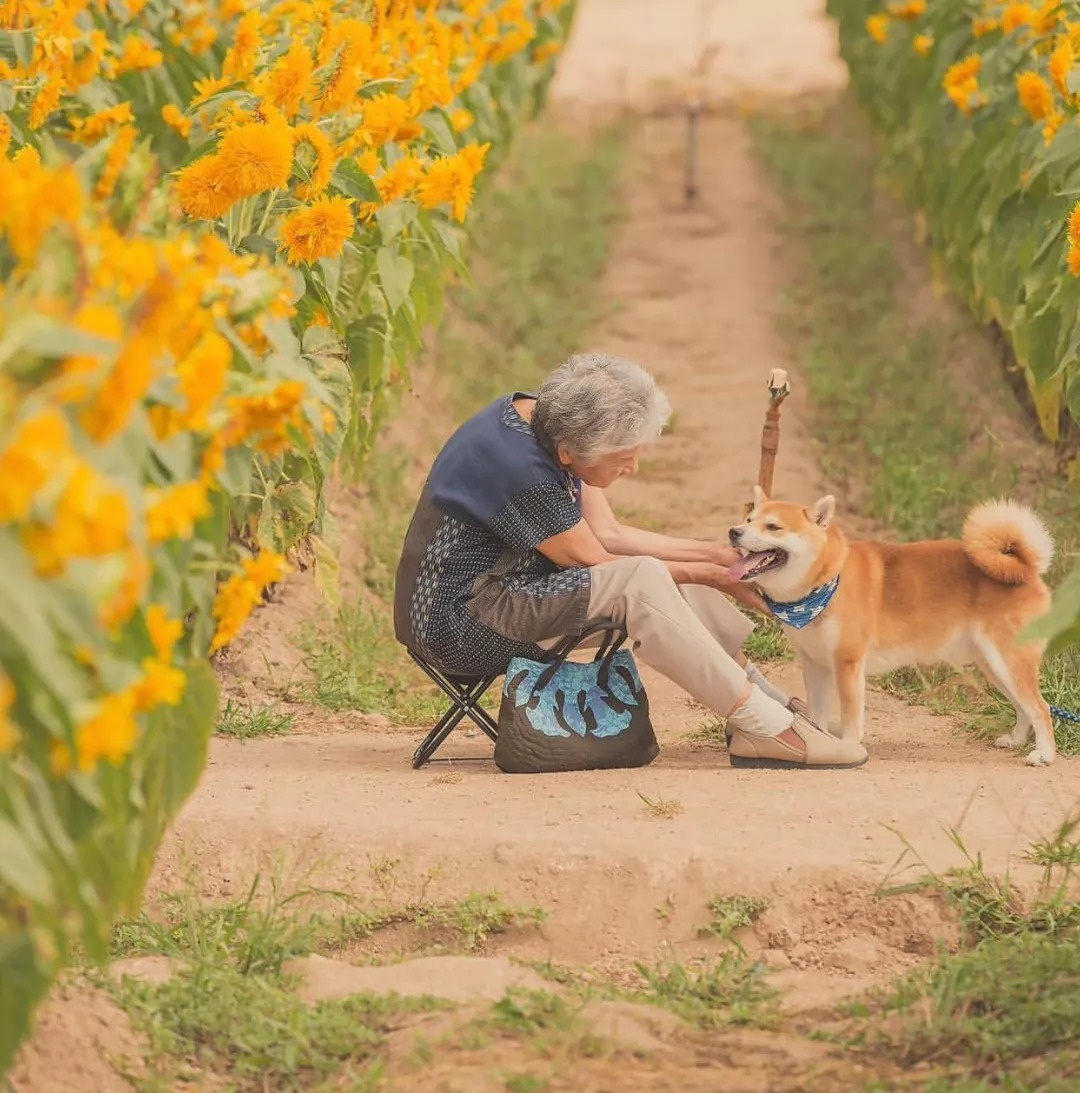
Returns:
(735, 534)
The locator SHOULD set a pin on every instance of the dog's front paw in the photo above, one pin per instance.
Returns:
(1039, 758)
(1005, 741)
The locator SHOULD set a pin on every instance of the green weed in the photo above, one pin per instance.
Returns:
(767, 643)
(731, 913)
(1001, 1013)
(254, 1031)
(710, 731)
(230, 1008)
(991, 907)
(472, 920)
(546, 1021)
(356, 664)
(527, 1083)
(1010, 1000)
(248, 721)
(728, 991)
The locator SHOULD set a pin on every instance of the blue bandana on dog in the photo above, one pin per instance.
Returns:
(800, 613)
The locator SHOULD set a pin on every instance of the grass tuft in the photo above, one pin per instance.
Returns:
(1002, 1013)
(356, 664)
(991, 907)
(247, 721)
(230, 1008)
(731, 913)
(661, 809)
(728, 991)
(767, 643)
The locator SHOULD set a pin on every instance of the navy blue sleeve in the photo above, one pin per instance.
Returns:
(492, 474)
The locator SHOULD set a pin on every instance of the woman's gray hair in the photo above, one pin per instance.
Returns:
(594, 405)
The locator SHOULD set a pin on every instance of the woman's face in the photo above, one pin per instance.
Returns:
(603, 470)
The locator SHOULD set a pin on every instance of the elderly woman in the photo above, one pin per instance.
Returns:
(514, 545)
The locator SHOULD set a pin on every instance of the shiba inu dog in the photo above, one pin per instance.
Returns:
(849, 607)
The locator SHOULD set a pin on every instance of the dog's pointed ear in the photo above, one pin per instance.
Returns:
(823, 510)
(760, 497)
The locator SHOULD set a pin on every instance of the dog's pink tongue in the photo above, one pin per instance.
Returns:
(738, 570)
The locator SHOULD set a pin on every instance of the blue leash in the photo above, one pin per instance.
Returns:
(1064, 715)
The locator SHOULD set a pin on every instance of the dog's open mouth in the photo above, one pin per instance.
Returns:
(752, 565)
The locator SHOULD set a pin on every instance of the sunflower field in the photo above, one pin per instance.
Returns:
(978, 105)
(223, 226)
(979, 109)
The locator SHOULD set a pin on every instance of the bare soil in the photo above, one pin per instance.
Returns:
(696, 288)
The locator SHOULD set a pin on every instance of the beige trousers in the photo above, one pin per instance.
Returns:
(689, 633)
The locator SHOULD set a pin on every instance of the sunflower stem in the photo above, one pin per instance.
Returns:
(270, 201)
(247, 215)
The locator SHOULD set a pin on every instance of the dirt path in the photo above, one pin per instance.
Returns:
(697, 289)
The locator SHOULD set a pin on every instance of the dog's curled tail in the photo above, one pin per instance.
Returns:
(1008, 542)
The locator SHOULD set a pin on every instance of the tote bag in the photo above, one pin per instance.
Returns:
(560, 715)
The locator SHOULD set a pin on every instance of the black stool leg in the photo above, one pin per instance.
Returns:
(482, 719)
(434, 739)
(465, 696)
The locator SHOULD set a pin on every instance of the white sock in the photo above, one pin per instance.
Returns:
(759, 681)
(762, 715)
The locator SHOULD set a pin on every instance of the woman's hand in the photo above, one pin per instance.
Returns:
(716, 576)
(721, 553)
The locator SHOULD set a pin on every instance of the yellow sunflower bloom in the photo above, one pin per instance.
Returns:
(173, 117)
(136, 55)
(877, 26)
(161, 685)
(164, 632)
(1061, 62)
(203, 191)
(461, 119)
(35, 453)
(1035, 94)
(110, 734)
(91, 129)
(172, 513)
(1018, 15)
(238, 596)
(325, 159)
(9, 733)
(288, 82)
(256, 157)
(115, 159)
(385, 117)
(318, 230)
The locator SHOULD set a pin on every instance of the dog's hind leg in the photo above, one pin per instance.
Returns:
(1024, 664)
(1015, 672)
(995, 670)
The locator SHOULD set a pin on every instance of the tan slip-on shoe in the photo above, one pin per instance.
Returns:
(795, 705)
(823, 751)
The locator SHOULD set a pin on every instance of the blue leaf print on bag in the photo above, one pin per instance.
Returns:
(580, 699)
